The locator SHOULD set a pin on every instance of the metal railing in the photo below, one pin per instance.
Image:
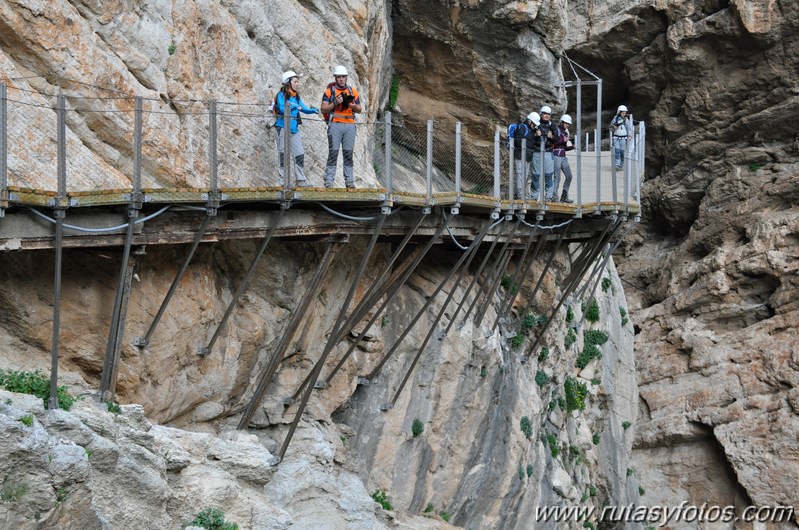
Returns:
(183, 143)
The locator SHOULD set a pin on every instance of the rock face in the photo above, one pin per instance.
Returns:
(475, 460)
(714, 265)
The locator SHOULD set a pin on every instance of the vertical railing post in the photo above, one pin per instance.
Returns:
(387, 162)
(429, 197)
(577, 139)
(632, 146)
(213, 150)
(521, 185)
(598, 144)
(59, 211)
(511, 164)
(3, 149)
(458, 141)
(542, 192)
(497, 169)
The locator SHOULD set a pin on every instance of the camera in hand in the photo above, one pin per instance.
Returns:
(346, 99)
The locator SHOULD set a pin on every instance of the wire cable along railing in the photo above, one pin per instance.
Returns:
(191, 150)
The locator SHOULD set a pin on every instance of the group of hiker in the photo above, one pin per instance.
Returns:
(340, 103)
(546, 145)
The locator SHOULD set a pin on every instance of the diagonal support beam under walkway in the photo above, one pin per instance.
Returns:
(474, 279)
(331, 341)
(244, 284)
(575, 277)
(374, 294)
(518, 277)
(470, 252)
(265, 379)
(497, 276)
(543, 274)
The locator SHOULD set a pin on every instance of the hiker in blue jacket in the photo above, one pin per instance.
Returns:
(288, 92)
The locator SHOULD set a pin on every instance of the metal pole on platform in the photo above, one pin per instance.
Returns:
(511, 164)
(497, 169)
(59, 211)
(598, 144)
(521, 182)
(287, 159)
(3, 149)
(429, 172)
(458, 141)
(577, 139)
(388, 158)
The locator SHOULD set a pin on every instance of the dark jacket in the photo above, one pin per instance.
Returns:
(561, 142)
(549, 143)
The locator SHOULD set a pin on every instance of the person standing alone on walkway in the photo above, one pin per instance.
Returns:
(621, 127)
(340, 102)
(563, 143)
(288, 95)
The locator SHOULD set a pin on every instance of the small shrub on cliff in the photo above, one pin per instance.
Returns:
(595, 439)
(212, 519)
(27, 420)
(623, 313)
(429, 508)
(36, 384)
(541, 378)
(626, 424)
(517, 341)
(528, 323)
(521, 472)
(554, 450)
(113, 407)
(592, 312)
(571, 338)
(605, 284)
(529, 470)
(445, 515)
(569, 314)
(11, 491)
(393, 93)
(381, 498)
(576, 393)
(526, 427)
(417, 427)
(543, 354)
(508, 283)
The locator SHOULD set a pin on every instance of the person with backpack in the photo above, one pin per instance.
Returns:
(562, 145)
(622, 128)
(289, 95)
(340, 102)
(521, 134)
(544, 135)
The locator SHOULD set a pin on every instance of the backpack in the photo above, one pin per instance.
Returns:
(517, 131)
(326, 115)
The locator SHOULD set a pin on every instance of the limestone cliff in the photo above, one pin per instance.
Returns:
(712, 275)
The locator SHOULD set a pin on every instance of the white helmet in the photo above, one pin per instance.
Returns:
(621, 108)
(566, 119)
(287, 75)
(535, 118)
(339, 70)
(545, 109)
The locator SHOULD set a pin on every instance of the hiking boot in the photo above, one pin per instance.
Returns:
(350, 185)
(328, 184)
(566, 200)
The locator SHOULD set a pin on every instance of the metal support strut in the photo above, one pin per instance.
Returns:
(367, 302)
(119, 312)
(462, 267)
(311, 292)
(244, 283)
(331, 341)
(59, 211)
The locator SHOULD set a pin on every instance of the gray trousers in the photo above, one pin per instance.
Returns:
(340, 136)
(562, 163)
(296, 150)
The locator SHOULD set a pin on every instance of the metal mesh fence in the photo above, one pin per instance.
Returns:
(175, 145)
(99, 144)
(32, 148)
(175, 152)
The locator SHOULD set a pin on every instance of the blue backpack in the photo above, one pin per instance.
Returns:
(517, 131)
